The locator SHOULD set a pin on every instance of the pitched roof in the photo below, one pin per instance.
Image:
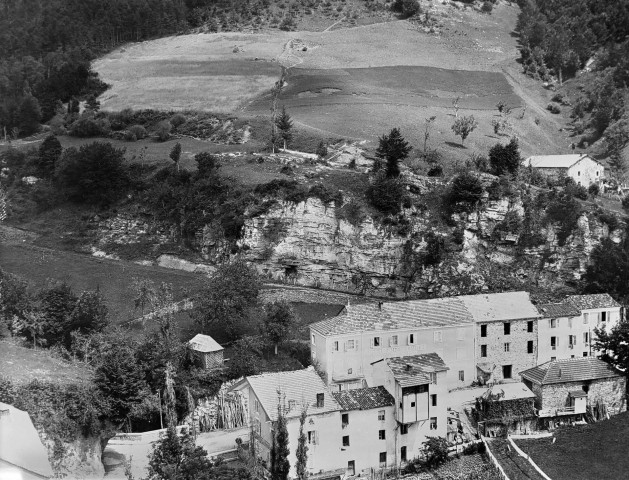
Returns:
(415, 369)
(364, 398)
(598, 300)
(298, 386)
(555, 310)
(436, 312)
(500, 306)
(554, 161)
(569, 370)
(508, 391)
(204, 343)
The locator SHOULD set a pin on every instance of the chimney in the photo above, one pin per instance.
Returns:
(320, 400)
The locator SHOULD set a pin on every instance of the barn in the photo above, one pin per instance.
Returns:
(580, 167)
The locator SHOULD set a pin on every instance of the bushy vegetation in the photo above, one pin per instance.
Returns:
(464, 193)
(386, 194)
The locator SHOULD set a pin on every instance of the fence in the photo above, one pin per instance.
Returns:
(493, 459)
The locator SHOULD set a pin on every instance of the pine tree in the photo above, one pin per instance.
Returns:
(505, 158)
(392, 148)
(302, 448)
(49, 152)
(29, 115)
(281, 465)
(92, 104)
(285, 126)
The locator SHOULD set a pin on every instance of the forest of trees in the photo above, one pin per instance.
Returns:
(558, 37)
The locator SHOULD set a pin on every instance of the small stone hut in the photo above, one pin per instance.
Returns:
(207, 351)
(505, 409)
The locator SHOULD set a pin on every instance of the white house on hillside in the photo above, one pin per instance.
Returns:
(581, 168)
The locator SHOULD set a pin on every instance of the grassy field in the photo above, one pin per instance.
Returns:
(584, 452)
(83, 272)
(21, 365)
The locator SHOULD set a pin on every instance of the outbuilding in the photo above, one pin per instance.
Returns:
(207, 351)
(583, 169)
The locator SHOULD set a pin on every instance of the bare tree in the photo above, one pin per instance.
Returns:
(427, 126)
(455, 105)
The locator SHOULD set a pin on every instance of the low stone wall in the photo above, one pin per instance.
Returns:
(310, 295)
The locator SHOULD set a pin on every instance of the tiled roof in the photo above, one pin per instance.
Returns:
(204, 343)
(554, 161)
(414, 369)
(298, 388)
(364, 398)
(569, 370)
(500, 306)
(555, 310)
(508, 391)
(599, 300)
(436, 312)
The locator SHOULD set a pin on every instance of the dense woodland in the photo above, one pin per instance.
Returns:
(559, 37)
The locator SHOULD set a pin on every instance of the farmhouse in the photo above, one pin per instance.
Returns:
(565, 388)
(505, 334)
(207, 352)
(345, 346)
(506, 409)
(581, 168)
(419, 385)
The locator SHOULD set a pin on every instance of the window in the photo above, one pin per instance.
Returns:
(585, 354)
(403, 454)
(345, 419)
(603, 316)
(346, 441)
(375, 342)
(404, 429)
(438, 337)
(314, 340)
(257, 425)
(433, 378)
(381, 435)
(433, 423)
(572, 340)
(383, 459)
(350, 344)
(553, 323)
(351, 469)
(411, 339)
(483, 350)
(381, 415)
(483, 330)
(256, 405)
(350, 371)
(586, 337)
(571, 356)
(506, 371)
(507, 328)
(506, 346)
(553, 343)
(529, 346)
(461, 375)
(335, 346)
(578, 174)
(552, 359)
(320, 397)
(529, 326)
(586, 318)
(394, 341)
(433, 400)
(291, 405)
(312, 437)
(412, 404)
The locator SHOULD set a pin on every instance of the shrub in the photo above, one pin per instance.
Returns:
(565, 211)
(163, 130)
(435, 171)
(552, 108)
(177, 120)
(88, 126)
(609, 219)
(505, 159)
(129, 136)
(386, 194)
(139, 131)
(487, 7)
(322, 150)
(352, 212)
(576, 191)
(594, 190)
(464, 193)
(325, 195)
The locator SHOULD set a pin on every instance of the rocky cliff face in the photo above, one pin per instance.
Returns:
(307, 244)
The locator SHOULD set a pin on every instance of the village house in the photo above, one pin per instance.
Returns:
(418, 383)
(505, 334)
(508, 408)
(581, 168)
(345, 346)
(294, 391)
(368, 429)
(207, 351)
(564, 388)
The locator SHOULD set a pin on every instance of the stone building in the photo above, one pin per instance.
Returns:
(505, 334)
(504, 409)
(580, 167)
(207, 352)
(564, 388)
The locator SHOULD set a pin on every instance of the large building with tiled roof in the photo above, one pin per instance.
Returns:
(344, 346)
(564, 388)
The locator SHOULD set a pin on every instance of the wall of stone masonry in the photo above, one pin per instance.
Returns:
(517, 355)
(610, 390)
